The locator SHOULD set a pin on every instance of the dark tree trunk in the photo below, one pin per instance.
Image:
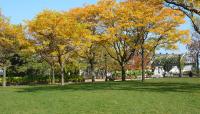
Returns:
(180, 70)
(106, 68)
(92, 71)
(53, 74)
(123, 73)
(62, 74)
(106, 75)
(4, 77)
(142, 64)
(197, 64)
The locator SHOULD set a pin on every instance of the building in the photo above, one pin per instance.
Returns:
(187, 61)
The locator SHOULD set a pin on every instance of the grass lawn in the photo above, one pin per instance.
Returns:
(155, 96)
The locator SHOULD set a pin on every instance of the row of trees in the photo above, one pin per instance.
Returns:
(116, 30)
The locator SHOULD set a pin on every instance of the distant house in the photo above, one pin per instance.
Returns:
(188, 68)
(174, 70)
(187, 60)
(158, 72)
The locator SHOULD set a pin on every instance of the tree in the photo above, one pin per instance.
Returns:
(190, 8)
(194, 48)
(89, 44)
(117, 33)
(155, 26)
(12, 40)
(49, 58)
(6, 48)
(56, 32)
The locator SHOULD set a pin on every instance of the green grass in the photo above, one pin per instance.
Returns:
(156, 96)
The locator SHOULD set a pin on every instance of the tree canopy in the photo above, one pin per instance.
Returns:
(93, 34)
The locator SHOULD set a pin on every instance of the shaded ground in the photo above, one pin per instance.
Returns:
(156, 96)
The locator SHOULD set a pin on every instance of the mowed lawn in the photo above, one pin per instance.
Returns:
(155, 96)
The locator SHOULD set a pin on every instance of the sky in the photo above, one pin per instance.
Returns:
(20, 10)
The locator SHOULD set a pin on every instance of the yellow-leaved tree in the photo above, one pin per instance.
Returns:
(154, 25)
(138, 26)
(12, 40)
(56, 34)
(117, 38)
(88, 47)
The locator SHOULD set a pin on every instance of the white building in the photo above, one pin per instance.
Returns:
(188, 59)
(174, 70)
(158, 72)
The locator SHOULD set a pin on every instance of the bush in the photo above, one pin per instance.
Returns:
(75, 78)
(134, 73)
(115, 75)
(131, 74)
(149, 73)
(27, 80)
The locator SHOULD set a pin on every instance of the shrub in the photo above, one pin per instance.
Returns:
(27, 80)
(75, 79)
(149, 73)
(134, 73)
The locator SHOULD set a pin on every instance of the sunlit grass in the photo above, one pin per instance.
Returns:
(156, 96)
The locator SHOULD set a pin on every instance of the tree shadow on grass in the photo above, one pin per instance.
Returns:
(126, 86)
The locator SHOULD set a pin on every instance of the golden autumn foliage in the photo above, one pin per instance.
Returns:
(88, 44)
(123, 28)
(12, 40)
(56, 33)
(132, 24)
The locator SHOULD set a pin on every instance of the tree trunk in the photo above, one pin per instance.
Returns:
(53, 75)
(106, 68)
(123, 73)
(4, 77)
(143, 73)
(197, 67)
(106, 75)
(92, 71)
(62, 74)
(180, 73)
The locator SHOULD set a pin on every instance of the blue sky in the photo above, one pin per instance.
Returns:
(20, 10)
